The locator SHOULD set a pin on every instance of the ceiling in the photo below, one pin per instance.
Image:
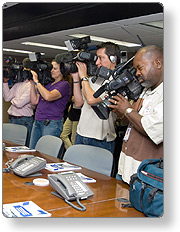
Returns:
(53, 23)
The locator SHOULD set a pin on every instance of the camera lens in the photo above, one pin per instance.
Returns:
(67, 68)
(102, 109)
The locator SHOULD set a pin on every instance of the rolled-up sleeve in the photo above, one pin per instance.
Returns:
(153, 124)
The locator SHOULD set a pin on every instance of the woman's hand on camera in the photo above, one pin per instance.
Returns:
(35, 76)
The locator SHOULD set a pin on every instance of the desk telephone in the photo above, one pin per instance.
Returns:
(27, 165)
(69, 186)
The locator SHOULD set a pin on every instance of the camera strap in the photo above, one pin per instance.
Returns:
(138, 104)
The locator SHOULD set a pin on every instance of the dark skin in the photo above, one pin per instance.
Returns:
(149, 70)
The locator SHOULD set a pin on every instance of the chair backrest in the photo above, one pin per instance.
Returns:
(93, 158)
(49, 145)
(14, 133)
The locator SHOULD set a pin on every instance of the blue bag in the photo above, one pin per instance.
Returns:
(146, 188)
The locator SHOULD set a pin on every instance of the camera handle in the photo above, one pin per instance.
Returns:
(121, 67)
(99, 91)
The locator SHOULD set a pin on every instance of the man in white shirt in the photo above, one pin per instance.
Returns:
(92, 130)
(144, 135)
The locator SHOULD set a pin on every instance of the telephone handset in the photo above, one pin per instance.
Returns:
(19, 160)
(27, 165)
(69, 186)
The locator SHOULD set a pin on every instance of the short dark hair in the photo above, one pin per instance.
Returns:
(111, 49)
(153, 51)
(152, 48)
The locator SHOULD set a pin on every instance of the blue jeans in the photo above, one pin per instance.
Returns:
(54, 128)
(110, 146)
(25, 121)
(119, 177)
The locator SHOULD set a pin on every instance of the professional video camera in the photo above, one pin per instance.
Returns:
(15, 71)
(124, 82)
(18, 72)
(12, 69)
(42, 68)
(78, 51)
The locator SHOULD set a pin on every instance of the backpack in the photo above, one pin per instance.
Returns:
(146, 188)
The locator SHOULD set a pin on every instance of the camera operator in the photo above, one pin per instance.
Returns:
(144, 135)
(92, 130)
(51, 101)
(21, 110)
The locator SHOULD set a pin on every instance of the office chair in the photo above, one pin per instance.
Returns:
(50, 145)
(14, 133)
(91, 157)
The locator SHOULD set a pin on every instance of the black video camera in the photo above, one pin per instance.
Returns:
(124, 82)
(42, 68)
(68, 60)
(15, 71)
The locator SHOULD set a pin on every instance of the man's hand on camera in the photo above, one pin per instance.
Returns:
(120, 104)
(82, 69)
(75, 76)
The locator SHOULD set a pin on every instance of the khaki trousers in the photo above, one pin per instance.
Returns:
(69, 132)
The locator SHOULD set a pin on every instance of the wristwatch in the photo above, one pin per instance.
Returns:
(84, 79)
(128, 111)
(36, 82)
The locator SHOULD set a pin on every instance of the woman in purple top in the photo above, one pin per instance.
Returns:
(51, 102)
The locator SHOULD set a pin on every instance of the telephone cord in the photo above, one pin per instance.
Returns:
(83, 208)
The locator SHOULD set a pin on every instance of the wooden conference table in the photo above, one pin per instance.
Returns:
(104, 202)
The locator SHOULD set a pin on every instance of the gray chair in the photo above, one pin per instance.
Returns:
(14, 133)
(50, 145)
(91, 157)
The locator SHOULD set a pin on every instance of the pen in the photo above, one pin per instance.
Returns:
(86, 178)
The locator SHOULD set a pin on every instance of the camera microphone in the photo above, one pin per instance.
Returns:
(86, 56)
(27, 63)
(63, 57)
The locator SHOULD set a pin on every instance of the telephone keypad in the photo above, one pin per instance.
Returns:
(77, 186)
(70, 186)
(30, 166)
